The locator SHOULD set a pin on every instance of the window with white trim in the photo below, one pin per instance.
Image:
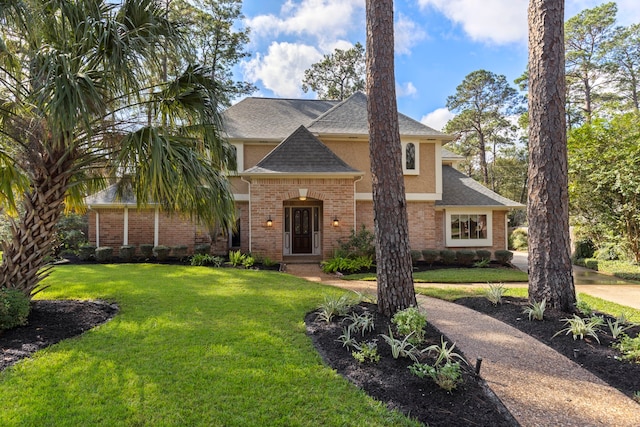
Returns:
(410, 158)
(468, 228)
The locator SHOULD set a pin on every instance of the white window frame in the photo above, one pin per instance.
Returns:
(469, 242)
(406, 171)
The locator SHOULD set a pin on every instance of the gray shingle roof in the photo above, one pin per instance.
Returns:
(109, 196)
(270, 118)
(460, 190)
(350, 117)
(275, 119)
(450, 155)
(301, 152)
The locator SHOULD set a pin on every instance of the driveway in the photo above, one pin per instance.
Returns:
(596, 284)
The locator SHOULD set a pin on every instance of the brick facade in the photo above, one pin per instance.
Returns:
(268, 198)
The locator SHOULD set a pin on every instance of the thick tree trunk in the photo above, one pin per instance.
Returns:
(393, 259)
(24, 261)
(550, 273)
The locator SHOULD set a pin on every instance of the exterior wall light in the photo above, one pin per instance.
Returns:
(336, 223)
(269, 222)
(302, 193)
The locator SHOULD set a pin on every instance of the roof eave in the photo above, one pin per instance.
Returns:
(302, 174)
(492, 207)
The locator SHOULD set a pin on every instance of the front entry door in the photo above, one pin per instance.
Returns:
(302, 232)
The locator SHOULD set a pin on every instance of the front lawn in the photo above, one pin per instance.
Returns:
(191, 346)
(457, 275)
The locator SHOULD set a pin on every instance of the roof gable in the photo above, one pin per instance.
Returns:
(302, 152)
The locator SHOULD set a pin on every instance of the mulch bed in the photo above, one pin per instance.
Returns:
(390, 381)
(50, 322)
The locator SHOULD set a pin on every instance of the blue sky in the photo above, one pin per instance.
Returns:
(438, 42)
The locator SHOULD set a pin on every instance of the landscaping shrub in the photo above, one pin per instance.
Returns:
(161, 252)
(347, 265)
(358, 244)
(104, 254)
(415, 257)
(14, 308)
(465, 256)
(236, 258)
(609, 251)
(503, 257)
(268, 262)
(71, 232)
(483, 254)
(146, 250)
(430, 255)
(203, 249)
(86, 252)
(519, 240)
(448, 256)
(179, 251)
(127, 252)
(584, 249)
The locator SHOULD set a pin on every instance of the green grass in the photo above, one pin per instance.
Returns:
(191, 346)
(457, 275)
(598, 304)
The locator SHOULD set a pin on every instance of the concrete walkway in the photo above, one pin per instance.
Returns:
(596, 284)
(539, 386)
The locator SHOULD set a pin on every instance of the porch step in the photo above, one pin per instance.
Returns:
(302, 259)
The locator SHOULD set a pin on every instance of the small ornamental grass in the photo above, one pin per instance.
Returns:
(362, 323)
(401, 348)
(335, 306)
(535, 310)
(618, 327)
(495, 293)
(579, 327)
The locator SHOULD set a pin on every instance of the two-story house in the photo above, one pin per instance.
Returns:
(304, 182)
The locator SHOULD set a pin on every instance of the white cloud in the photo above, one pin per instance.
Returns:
(281, 70)
(319, 18)
(493, 21)
(407, 89)
(437, 119)
(407, 35)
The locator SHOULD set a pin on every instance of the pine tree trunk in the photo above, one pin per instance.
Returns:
(550, 271)
(25, 257)
(393, 259)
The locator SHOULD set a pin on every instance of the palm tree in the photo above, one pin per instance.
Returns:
(81, 107)
(550, 274)
(393, 258)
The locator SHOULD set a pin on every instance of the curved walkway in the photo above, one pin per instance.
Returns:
(539, 386)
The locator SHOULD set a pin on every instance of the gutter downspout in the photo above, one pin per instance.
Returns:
(355, 202)
(97, 225)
